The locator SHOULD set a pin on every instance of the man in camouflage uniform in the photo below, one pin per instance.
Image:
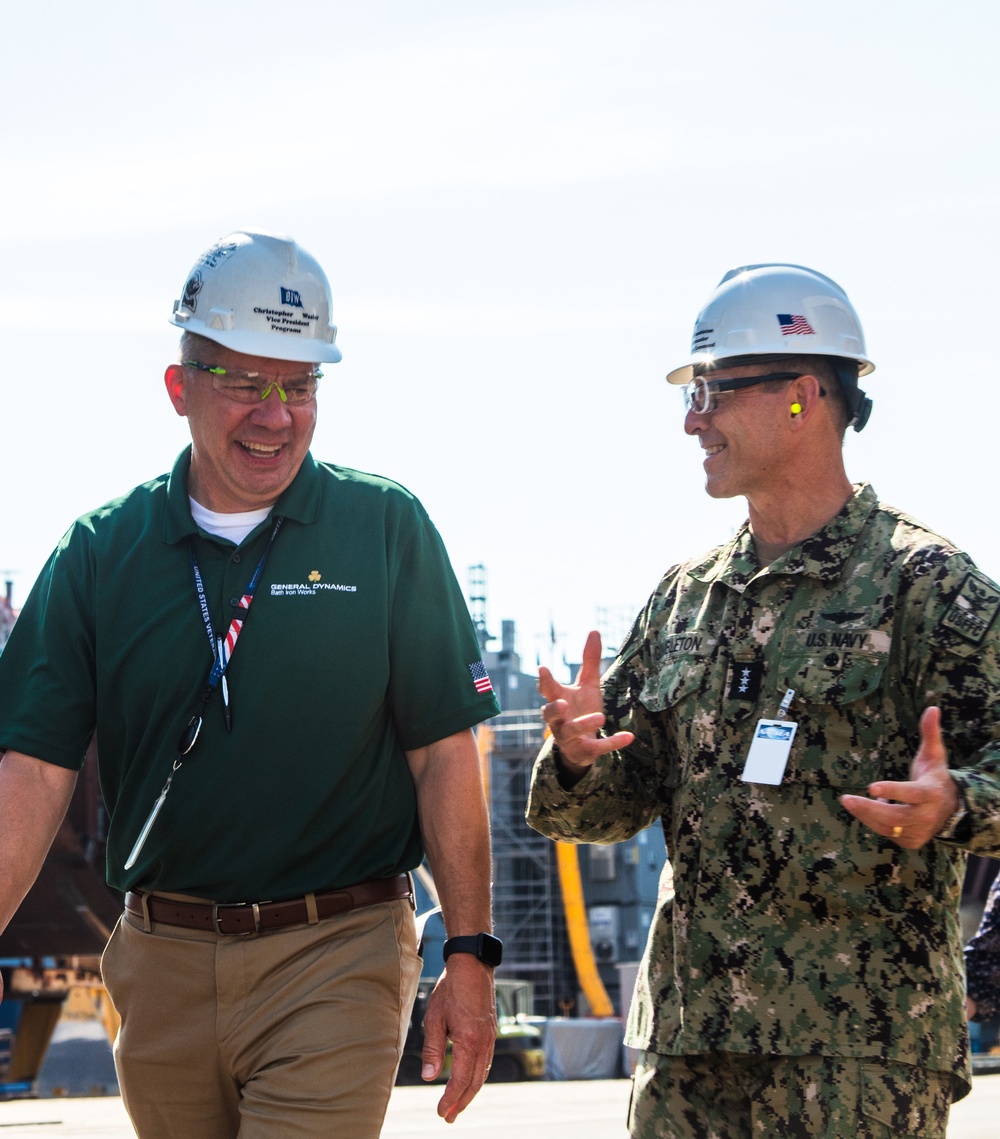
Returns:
(803, 975)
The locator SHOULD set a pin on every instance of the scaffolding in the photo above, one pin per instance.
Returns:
(527, 906)
(477, 604)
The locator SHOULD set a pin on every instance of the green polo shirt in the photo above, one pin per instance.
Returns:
(358, 646)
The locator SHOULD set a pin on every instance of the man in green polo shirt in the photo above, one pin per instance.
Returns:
(283, 677)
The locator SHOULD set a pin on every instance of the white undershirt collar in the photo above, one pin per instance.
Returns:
(234, 527)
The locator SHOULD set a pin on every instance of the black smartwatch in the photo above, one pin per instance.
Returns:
(485, 946)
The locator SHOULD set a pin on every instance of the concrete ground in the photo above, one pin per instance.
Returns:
(548, 1110)
(78, 1091)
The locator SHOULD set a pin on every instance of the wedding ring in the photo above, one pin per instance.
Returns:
(896, 832)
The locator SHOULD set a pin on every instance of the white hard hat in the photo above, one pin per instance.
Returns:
(263, 295)
(774, 310)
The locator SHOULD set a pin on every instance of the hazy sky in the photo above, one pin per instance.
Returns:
(521, 208)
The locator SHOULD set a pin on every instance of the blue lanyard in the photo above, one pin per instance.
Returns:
(222, 651)
(222, 648)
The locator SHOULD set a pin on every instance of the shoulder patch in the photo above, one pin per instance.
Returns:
(973, 609)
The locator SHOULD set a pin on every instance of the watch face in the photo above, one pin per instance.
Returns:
(484, 946)
(490, 949)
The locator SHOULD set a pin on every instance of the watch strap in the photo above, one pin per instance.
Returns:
(953, 830)
(484, 946)
(958, 828)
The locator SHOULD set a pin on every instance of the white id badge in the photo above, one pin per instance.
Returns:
(768, 754)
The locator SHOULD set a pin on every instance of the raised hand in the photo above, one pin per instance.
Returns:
(575, 712)
(921, 805)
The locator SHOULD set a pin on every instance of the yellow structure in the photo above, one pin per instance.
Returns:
(578, 931)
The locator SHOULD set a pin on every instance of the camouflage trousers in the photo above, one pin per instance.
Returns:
(730, 1096)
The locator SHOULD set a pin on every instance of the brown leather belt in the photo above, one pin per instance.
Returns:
(234, 918)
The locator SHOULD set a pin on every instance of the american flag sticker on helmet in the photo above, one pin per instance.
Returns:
(792, 325)
(480, 677)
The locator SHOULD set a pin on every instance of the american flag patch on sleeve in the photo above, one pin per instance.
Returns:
(480, 677)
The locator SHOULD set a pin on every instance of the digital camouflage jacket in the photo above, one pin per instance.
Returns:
(789, 928)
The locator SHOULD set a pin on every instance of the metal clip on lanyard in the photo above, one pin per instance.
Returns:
(222, 653)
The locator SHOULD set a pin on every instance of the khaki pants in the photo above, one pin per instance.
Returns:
(295, 1033)
(728, 1096)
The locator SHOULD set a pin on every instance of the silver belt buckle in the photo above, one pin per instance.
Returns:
(254, 906)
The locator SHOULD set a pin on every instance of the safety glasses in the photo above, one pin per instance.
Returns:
(252, 387)
(701, 395)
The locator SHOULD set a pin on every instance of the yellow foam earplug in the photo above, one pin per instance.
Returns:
(796, 408)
